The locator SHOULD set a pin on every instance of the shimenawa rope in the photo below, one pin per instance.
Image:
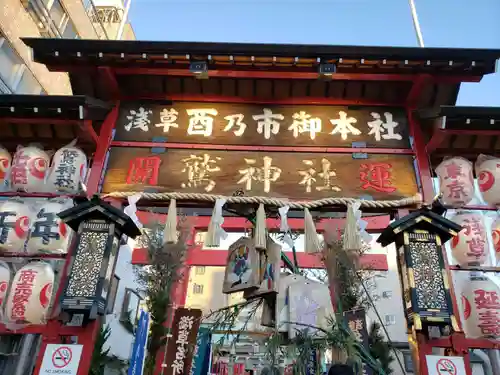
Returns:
(277, 202)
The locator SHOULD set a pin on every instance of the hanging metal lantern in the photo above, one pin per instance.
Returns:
(481, 307)
(488, 174)
(425, 287)
(456, 181)
(99, 227)
(470, 247)
(30, 294)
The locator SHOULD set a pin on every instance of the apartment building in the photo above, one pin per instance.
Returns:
(85, 19)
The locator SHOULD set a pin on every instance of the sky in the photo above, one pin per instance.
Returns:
(444, 23)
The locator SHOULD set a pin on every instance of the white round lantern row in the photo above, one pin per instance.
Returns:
(470, 247)
(481, 308)
(30, 294)
(31, 171)
(456, 180)
(33, 229)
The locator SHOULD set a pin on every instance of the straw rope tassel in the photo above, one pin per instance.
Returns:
(352, 239)
(311, 240)
(260, 236)
(212, 239)
(170, 232)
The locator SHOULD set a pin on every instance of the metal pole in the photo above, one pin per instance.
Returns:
(119, 34)
(416, 24)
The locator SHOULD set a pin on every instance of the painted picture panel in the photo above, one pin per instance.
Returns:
(291, 175)
(262, 124)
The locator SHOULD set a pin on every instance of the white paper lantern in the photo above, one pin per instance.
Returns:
(15, 221)
(29, 169)
(470, 246)
(488, 174)
(68, 170)
(5, 164)
(481, 307)
(495, 234)
(456, 181)
(30, 294)
(5, 276)
(48, 233)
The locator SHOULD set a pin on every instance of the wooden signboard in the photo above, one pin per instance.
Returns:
(290, 175)
(180, 347)
(272, 125)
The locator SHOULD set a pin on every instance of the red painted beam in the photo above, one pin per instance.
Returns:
(87, 126)
(39, 120)
(235, 99)
(208, 257)
(107, 75)
(39, 329)
(264, 74)
(234, 224)
(217, 258)
(274, 73)
(436, 140)
(417, 88)
(198, 146)
(424, 168)
(446, 342)
(105, 137)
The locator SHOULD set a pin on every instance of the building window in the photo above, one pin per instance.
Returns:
(408, 361)
(200, 270)
(51, 18)
(130, 306)
(15, 77)
(387, 294)
(390, 320)
(113, 290)
(197, 289)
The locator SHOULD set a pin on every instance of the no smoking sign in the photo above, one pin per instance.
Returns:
(439, 365)
(61, 359)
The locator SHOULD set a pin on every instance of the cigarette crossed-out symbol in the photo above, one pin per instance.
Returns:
(62, 357)
(446, 367)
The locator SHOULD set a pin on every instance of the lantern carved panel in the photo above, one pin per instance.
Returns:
(428, 278)
(87, 277)
(425, 286)
(87, 264)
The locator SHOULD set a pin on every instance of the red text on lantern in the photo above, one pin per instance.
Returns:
(489, 317)
(19, 172)
(22, 293)
(453, 171)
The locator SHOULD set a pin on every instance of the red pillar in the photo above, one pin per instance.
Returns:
(178, 298)
(88, 333)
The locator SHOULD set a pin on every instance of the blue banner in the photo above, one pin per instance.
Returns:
(312, 363)
(201, 360)
(141, 338)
